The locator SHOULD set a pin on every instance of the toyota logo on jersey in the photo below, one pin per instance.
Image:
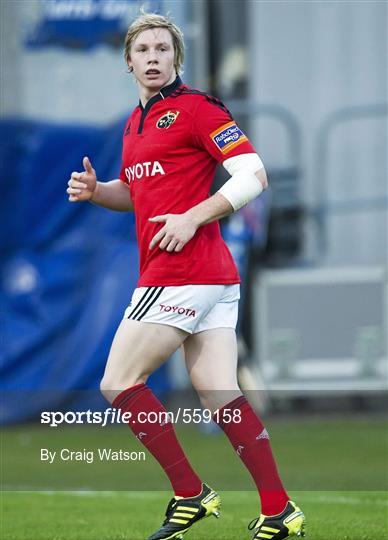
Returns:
(147, 168)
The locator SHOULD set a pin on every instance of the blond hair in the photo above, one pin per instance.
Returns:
(148, 21)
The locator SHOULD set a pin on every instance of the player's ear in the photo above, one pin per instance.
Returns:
(130, 67)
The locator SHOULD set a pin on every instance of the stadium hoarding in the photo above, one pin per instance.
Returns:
(84, 25)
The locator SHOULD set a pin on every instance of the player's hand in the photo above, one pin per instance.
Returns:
(82, 185)
(178, 229)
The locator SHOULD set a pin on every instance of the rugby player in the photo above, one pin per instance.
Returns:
(188, 289)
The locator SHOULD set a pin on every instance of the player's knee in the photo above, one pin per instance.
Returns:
(205, 399)
(216, 399)
(106, 389)
(111, 386)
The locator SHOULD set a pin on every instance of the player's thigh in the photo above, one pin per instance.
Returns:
(137, 350)
(211, 361)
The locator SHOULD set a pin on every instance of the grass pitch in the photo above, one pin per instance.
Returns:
(135, 515)
(339, 467)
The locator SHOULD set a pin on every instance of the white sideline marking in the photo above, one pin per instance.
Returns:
(319, 499)
(337, 499)
(81, 493)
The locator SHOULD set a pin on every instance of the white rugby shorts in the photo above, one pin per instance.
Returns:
(193, 308)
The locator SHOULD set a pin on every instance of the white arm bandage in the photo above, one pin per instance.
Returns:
(243, 186)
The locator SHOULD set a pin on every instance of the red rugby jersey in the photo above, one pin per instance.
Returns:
(171, 148)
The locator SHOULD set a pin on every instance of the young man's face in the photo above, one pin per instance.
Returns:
(152, 59)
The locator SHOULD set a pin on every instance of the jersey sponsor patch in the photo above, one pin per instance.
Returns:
(228, 137)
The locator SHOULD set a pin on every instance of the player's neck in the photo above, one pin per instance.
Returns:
(145, 93)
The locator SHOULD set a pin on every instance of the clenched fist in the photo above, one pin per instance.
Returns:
(82, 184)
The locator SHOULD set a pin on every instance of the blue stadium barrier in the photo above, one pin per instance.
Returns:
(68, 270)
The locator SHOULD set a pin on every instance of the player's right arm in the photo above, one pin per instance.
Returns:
(84, 186)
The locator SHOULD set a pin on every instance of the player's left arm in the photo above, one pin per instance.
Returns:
(214, 130)
(248, 179)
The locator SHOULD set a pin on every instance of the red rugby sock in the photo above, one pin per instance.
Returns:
(159, 439)
(251, 441)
